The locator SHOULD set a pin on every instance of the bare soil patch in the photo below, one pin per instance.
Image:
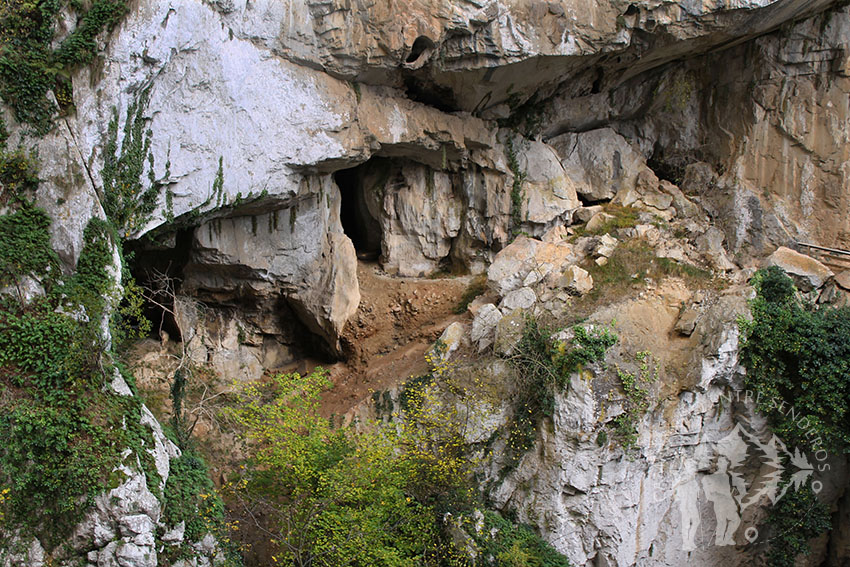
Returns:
(397, 322)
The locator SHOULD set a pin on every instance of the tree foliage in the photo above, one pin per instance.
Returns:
(390, 493)
(338, 498)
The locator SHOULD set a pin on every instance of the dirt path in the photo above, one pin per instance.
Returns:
(385, 341)
(397, 321)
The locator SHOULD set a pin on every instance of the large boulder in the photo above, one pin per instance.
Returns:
(807, 272)
(484, 325)
(577, 280)
(524, 260)
(599, 162)
(548, 190)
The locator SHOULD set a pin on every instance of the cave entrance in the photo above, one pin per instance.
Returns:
(157, 267)
(359, 208)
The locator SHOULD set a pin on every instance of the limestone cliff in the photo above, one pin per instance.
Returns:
(287, 139)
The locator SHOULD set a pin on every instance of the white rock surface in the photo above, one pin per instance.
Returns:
(601, 506)
(522, 298)
(509, 332)
(600, 162)
(550, 193)
(484, 325)
(524, 255)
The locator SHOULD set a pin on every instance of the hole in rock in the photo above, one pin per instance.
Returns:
(597, 82)
(670, 164)
(358, 212)
(157, 266)
(422, 89)
(420, 45)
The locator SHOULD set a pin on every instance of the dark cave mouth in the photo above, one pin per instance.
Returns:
(358, 222)
(158, 270)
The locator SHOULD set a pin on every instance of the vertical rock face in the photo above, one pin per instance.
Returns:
(445, 129)
(798, 145)
(770, 115)
(602, 501)
(298, 252)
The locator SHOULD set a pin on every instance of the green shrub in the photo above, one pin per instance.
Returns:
(798, 356)
(190, 497)
(798, 363)
(30, 66)
(52, 462)
(18, 171)
(60, 446)
(35, 344)
(501, 543)
(334, 498)
(383, 494)
(798, 517)
(63, 430)
(25, 244)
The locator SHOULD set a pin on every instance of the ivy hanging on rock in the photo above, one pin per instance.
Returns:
(30, 64)
(129, 199)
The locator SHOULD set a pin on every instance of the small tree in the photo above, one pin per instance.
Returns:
(334, 497)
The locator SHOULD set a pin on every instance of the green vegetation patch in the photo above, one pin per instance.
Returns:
(128, 200)
(64, 430)
(636, 390)
(59, 450)
(543, 367)
(335, 498)
(798, 517)
(25, 245)
(30, 66)
(190, 496)
(18, 171)
(798, 363)
(392, 493)
(621, 217)
(631, 264)
(502, 543)
(798, 356)
(517, 191)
